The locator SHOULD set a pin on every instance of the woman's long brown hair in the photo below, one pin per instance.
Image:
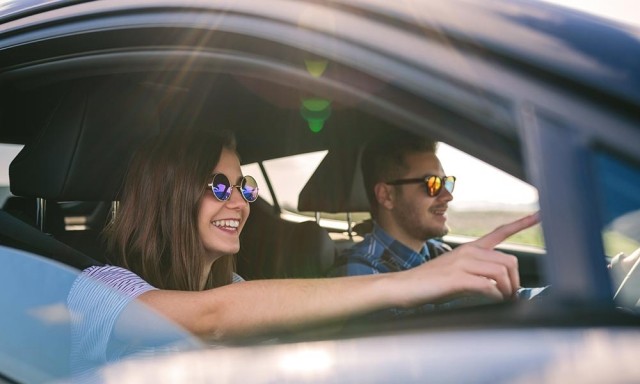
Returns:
(155, 232)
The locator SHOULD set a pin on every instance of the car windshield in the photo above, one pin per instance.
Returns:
(619, 203)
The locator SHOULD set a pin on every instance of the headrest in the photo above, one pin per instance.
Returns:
(83, 150)
(336, 185)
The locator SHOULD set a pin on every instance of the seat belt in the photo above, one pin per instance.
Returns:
(17, 234)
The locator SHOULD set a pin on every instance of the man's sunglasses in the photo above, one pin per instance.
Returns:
(433, 183)
(222, 188)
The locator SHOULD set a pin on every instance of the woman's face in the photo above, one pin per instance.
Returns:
(220, 222)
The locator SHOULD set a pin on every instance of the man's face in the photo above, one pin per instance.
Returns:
(417, 216)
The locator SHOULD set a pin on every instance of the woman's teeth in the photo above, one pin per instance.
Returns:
(226, 223)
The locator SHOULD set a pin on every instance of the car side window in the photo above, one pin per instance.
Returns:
(288, 175)
(619, 195)
(486, 197)
(7, 153)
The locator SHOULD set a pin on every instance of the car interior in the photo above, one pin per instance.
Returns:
(84, 132)
(86, 148)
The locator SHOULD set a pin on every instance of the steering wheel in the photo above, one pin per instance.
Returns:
(628, 293)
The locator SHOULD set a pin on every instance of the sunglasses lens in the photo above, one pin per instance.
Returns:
(249, 189)
(434, 183)
(221, 187)
(449, 183)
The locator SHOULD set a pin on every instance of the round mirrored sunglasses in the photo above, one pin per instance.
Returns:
(222, 188)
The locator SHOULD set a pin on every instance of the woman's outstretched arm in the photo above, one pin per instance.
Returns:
(267, 305)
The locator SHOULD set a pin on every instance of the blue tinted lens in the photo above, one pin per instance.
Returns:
(221, 187)
(249, 188)
(449, 183)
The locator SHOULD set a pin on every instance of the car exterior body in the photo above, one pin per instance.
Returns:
(548, 95)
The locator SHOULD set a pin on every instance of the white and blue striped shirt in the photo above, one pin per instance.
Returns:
(96, 300)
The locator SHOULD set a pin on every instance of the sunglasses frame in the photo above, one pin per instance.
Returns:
(425, 180)
(231, 187)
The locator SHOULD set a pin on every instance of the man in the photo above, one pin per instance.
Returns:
(409, 193)
(408, 213)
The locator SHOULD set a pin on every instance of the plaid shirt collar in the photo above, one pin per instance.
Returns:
(403, 255)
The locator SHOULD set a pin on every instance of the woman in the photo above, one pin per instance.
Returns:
(177, 230)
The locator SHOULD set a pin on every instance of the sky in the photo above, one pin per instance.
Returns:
(7, 153)
(480, 185)
(625, 11)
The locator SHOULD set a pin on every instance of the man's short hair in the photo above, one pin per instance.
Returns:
(383, 159)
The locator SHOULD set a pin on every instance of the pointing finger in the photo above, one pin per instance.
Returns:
(498, 235)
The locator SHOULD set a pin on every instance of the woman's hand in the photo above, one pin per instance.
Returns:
(471, 268)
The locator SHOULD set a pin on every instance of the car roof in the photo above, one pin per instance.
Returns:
(11, 10)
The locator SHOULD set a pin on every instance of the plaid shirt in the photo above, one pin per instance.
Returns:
(381, 253)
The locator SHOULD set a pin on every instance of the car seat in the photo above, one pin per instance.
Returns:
(82, 152)
(337, 187)
(19, 229)
(25, 209)
(311, 251)
(286, 250)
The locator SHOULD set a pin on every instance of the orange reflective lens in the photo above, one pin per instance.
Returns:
(433, 183)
